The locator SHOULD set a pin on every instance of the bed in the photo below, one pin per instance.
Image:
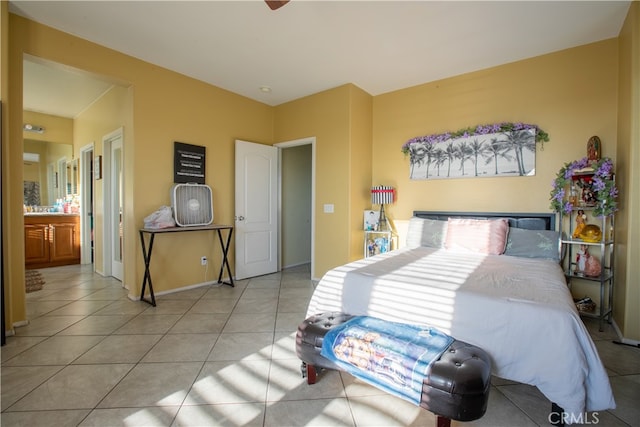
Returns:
(493, 280)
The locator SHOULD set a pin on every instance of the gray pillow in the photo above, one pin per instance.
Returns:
(426, 232)
(533, 243)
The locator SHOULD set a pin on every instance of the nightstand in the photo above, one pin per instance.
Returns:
(378, 242)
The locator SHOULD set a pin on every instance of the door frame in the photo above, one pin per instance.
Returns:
(288, 144)
(87, 203)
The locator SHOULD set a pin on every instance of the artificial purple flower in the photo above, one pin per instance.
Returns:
(605, 169)
(598, 183)
(582, 163)
(466, 133)
(568, 173)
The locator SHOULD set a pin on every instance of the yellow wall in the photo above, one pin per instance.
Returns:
(4, 84)
(109, 113)
(326, 116)
(627, 291)
(569, 94)
(57, 129)
(360, 155)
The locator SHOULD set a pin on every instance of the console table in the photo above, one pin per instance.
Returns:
(146, 252)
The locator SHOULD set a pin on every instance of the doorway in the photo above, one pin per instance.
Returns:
(297, 202)
(86, 205)
(258, 198)
(113, 204)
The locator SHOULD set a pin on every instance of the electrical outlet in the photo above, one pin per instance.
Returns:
(203, 260)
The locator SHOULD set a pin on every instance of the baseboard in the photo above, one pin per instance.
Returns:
(183, 288)
(621, 338)
(11, 332)
(296, 264)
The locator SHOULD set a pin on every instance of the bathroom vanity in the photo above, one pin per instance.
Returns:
(51, 239)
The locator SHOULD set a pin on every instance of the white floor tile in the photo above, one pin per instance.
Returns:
(221, 356)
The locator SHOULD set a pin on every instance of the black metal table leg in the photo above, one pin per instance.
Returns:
(147, 273)
(225, 261)
(146, 253)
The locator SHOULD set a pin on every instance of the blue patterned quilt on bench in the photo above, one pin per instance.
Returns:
(391, 356)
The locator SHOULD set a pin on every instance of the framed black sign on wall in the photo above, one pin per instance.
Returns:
(188, 163)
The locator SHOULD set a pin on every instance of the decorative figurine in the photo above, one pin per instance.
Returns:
(592, 267)
(588, 195)
(587, 264)
(573, 195)
(371, 247)
(591, 233)
(581, 221)
(581, 259)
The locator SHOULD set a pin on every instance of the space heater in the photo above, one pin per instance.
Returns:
(192, 204)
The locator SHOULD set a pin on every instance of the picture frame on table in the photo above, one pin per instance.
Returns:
(371, 220)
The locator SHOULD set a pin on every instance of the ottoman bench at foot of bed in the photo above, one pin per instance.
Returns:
(455, 387)
(309, 339)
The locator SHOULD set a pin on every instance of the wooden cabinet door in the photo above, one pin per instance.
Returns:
(64, 242)
(36, 244)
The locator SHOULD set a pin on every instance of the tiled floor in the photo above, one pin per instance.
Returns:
(218, 355)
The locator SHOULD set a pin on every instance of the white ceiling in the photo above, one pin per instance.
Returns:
(309, 46)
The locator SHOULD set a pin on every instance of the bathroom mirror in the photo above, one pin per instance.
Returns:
(45, 172)
(72, 177)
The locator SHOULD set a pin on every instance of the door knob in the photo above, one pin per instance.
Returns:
(240, 218)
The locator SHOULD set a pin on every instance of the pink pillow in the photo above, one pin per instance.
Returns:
(487, 236)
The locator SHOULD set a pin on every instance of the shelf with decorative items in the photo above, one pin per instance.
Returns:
(379, 234)
(378, 242)
(584, 194)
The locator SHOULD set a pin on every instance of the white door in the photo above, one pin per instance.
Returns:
(113, 206)
(256, 209)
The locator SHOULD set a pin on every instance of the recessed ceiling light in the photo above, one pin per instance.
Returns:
(265, 89)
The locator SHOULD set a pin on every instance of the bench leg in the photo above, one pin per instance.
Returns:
(309, 372)
(442, 421)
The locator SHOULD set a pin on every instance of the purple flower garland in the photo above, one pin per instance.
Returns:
(602, 183)
(541, 136)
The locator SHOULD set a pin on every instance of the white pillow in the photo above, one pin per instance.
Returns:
(487, 236)
(426, 232)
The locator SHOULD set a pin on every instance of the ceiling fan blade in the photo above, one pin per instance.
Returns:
(276, 4)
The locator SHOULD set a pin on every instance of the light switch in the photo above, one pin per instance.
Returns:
(328, 208)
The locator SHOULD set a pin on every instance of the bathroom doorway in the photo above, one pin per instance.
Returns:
(87, 206)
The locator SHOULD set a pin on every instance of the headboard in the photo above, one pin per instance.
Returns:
(529, 221)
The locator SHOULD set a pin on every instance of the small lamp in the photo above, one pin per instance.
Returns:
(381, 195)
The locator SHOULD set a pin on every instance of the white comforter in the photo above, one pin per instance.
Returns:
(518, 310)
